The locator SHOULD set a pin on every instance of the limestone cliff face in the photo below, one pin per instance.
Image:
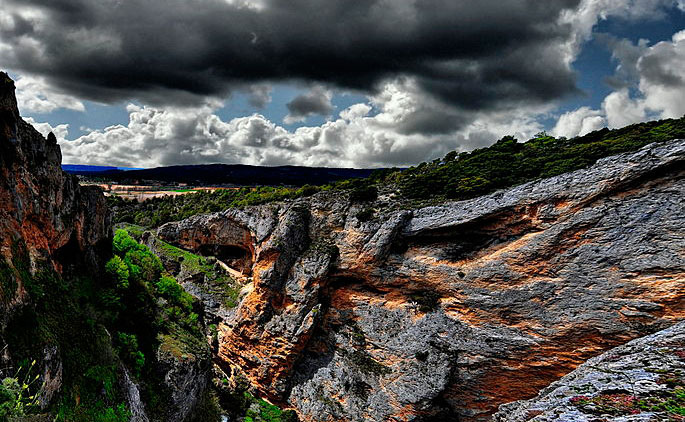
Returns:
(47, 219)
(446, 312)
(42, 209)
(631, 380)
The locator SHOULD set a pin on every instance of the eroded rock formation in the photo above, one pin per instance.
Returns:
(43, 211)
(626, 383)
(446, 312)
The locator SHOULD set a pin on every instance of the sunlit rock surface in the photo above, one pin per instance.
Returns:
(446, 312)
(625, 384)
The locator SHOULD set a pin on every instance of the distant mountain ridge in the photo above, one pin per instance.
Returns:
(225, 174)
(86, 169)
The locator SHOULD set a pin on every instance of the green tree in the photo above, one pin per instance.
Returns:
(123, 242)
(118, 270)
(169, 287)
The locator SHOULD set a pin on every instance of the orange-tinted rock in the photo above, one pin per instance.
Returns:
(446, 312)
(44, 213)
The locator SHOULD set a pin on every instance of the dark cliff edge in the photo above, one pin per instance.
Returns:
(86, 349)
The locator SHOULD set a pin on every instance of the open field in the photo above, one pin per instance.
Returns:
(142, 192)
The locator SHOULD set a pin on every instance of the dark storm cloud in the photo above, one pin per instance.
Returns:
(316, 101)
(431, 122)
(625, 53)
(657, 68)
(471, 55)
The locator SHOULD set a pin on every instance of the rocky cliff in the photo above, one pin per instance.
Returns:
(643, 380)
(44, 213)
(50, 227)
(367, 311)
(59, 310)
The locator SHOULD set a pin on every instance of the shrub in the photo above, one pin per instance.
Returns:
(118, 270)
(19, 394)
(130, 352)
(145, 266)
(307, 190)
(261, 411)
(169, 287)
(364, 193)
(123, 242)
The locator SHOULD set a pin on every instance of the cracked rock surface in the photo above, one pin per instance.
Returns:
(651, 369)
(447, 312)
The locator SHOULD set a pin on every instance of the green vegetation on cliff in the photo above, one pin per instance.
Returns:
(133, 317)
(216, 281)
(242, 406)
(261, 411)
(457, 176)
(63, 324)
(509, 162)
(148, 308)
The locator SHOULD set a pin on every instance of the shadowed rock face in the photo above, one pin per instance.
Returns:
(43, 210)
(47, 221)
(446, 312)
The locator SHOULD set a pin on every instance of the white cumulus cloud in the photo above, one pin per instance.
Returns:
(60, 131)
(35, 95)
(579, 122)
(155, 137)
(654, 78)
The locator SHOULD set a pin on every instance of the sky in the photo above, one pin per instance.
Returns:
(338, 83)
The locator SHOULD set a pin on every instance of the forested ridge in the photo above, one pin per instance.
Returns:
(457, 176)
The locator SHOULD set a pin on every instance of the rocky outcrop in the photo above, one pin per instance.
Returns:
(131, 392)
(48, 224)
(447, 312)
(43, 210)
(186, 378)
(643, 380)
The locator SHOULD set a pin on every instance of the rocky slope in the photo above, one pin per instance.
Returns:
(44, 213)
(643, 380)
(55, 237)
(447, 312)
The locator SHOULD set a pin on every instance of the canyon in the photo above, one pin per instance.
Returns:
(448, 311)
(372, 310)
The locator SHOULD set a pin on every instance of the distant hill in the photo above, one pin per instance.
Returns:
(93, 170)
(225, 174)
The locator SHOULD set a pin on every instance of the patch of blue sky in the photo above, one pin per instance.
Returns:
(594, 63)
(276, 110)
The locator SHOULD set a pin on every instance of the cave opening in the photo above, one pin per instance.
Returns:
(235, 256)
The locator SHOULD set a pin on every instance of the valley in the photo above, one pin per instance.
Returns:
(522, 281)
